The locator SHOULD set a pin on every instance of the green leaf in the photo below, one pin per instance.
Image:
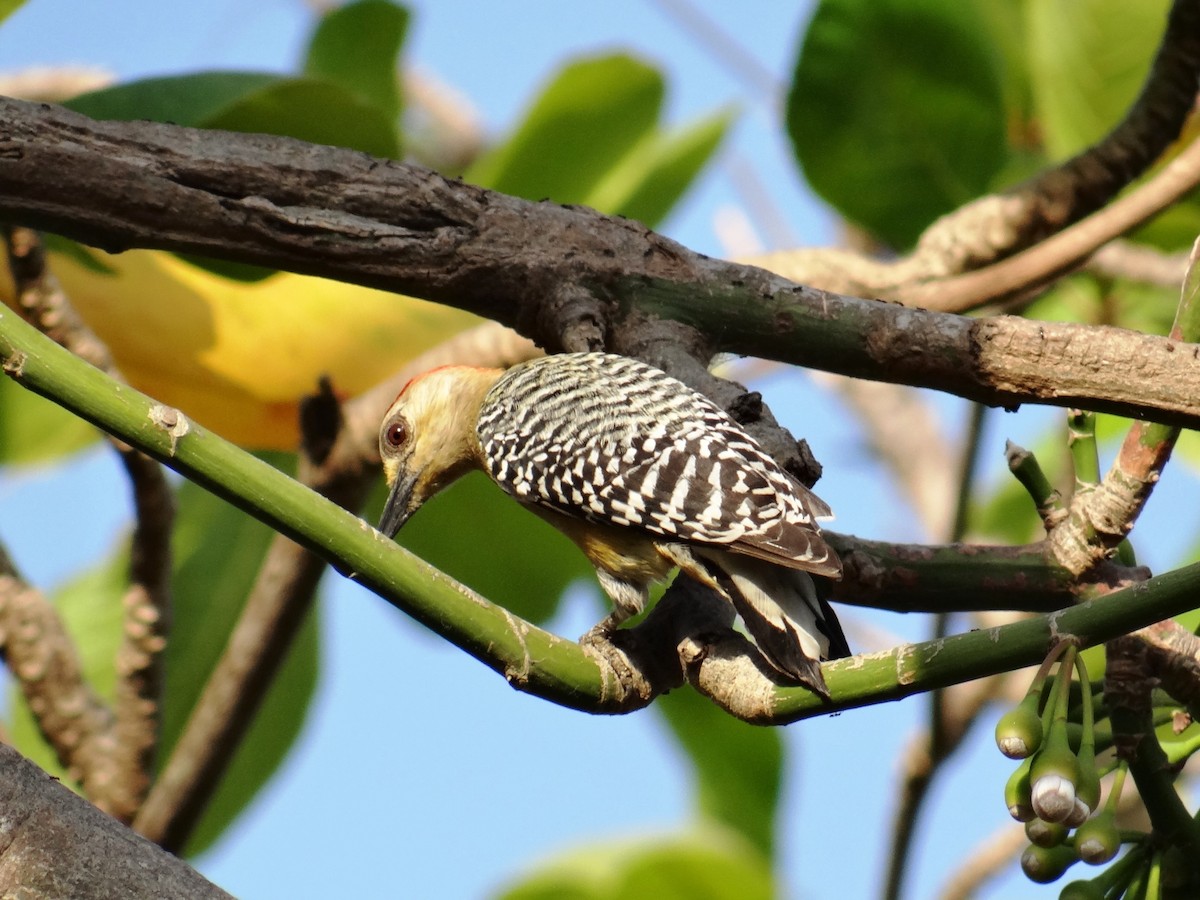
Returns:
(8, 7)
(218, 551)
(34, 430)
(1004, 23)
(707, 864)
(652, 178)
(584, 122)
(312, 110)
(739, 767)
(357, 47)
(190, 100)
(896, 111)
(306, 108)
(1088, 60)
(525, 565)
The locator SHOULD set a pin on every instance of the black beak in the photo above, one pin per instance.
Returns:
(398, 507)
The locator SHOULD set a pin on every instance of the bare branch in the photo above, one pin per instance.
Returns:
(147, 602)
(903, 433)
(56, 844)
(1055, 256)
(278, 202)
(1173, 657)
(985, 862)
(42, 657)
(1135, 262)
(922, 759)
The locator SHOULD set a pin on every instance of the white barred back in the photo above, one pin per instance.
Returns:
(613, 440)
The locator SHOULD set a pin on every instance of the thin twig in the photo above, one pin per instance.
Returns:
(902, 432)
(53, 85)
(985, 862)
(1135, 262)
(147, 602)
(42, 657)
(1057, 255)
(724, 48)
(442, 128)
(952, 711)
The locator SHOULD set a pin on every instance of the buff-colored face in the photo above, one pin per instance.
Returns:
(428, 438)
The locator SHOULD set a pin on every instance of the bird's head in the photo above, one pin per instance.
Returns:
(428, 437)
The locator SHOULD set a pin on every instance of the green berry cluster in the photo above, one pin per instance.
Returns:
(1056, 789)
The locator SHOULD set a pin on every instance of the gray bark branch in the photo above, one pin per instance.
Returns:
(55, 844)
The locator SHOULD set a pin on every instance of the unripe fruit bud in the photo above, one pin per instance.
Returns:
(1019, 731)
(1016, 794)
(1047, 864)
(1097, 840)
(1053, 778)
(1081, 890)
(1045, 834)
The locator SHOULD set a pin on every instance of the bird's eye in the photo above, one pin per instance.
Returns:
(396, 434)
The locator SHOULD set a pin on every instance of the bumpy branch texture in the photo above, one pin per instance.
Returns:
(563, 275)
(55, 844)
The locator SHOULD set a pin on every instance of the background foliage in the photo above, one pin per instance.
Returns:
(896, 111)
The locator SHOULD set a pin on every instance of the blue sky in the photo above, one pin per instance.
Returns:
(452, 784)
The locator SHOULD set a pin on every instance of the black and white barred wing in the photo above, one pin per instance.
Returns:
(613, 440)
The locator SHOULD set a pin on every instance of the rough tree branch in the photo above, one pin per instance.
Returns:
(55, 844)
(558, 274)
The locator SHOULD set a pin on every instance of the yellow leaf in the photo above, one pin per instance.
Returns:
(237, 356)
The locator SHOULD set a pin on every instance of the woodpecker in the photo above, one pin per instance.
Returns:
(643, 474)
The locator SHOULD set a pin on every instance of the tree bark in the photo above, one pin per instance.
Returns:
(54, 844)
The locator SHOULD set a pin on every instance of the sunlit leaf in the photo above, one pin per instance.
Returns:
(238, 356)
(896, 111)
(657, 172)
(8, 7)
(739, 767)
(357, 46)
(34, 430)
(190, 100)
(1089, 59)
(580, 126)
(709, 864)
(312, 110)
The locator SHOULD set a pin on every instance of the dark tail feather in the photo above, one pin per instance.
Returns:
(827, 621)
(790, 623)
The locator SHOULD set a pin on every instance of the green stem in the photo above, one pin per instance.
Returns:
(1081, 440)
(532, 659)
(1028, 471)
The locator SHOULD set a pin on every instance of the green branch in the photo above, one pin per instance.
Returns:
(532, 659)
